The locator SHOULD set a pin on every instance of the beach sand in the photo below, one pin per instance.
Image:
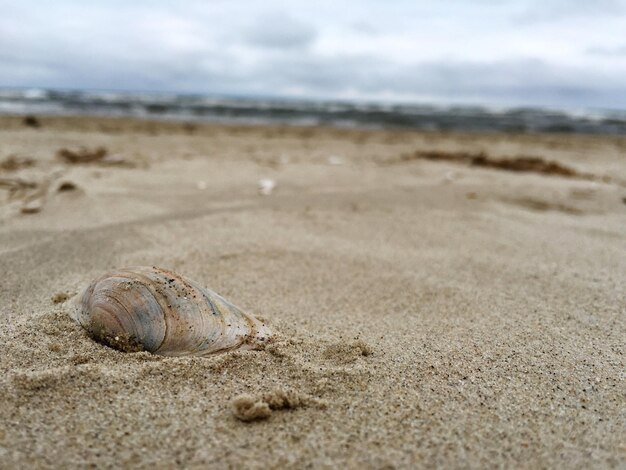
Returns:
(429, 310)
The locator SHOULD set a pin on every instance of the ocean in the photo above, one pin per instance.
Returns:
(309, 113)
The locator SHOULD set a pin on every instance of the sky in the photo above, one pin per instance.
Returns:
(553, 53)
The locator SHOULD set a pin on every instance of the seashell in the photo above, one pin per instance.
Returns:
(152, 309)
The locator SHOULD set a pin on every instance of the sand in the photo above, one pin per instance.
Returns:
(427, 313)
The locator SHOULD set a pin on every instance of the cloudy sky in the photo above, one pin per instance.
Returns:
(565, 53)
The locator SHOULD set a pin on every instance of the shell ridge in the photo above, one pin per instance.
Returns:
(228, 317)
(159, 298)
(218, 317)
(111, 298)
(145, 281)
(237, 316)
(79, 304)
(200, 306)
(168, 281)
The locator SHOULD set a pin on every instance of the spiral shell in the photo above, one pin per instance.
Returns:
(152, 309)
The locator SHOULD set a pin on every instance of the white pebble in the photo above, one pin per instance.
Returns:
(450, 176)
(266, 186)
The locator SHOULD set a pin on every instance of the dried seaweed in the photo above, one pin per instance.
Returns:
(82, 155)
(13, 163)
(528, 164)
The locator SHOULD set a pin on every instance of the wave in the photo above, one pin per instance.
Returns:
(309, 113)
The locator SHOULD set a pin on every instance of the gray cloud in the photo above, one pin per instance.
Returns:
(529, 81)
(365, 28)
(556, 10)
(279, 31)
(617, 51)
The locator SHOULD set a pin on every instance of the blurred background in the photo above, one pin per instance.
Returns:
(520, 65)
